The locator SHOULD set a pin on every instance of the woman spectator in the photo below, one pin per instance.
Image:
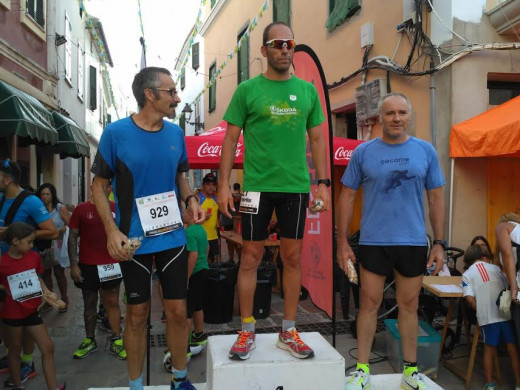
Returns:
(51, 262)
(482, 241)
(508, 248)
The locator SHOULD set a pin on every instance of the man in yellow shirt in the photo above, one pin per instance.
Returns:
(208, 202)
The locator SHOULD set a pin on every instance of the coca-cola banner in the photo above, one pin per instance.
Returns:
(204, 150)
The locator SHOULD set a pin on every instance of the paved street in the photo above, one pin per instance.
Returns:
(101, 369)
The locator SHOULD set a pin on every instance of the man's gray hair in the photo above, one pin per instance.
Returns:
(147, 78)
(389, 95)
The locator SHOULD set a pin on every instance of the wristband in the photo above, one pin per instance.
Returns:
(188, 198)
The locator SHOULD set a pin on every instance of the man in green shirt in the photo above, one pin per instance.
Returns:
(277, 111)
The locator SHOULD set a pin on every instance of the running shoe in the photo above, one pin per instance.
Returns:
(186, 385)
(290, 341)
(241, 349)
(44, 307)
(117, 348)
(358, 380)
(415, 381)
(167, 360)
(85, 348)
(491, 386)
(101, 313)
(4, 366)
(198, 339)
(27, 371)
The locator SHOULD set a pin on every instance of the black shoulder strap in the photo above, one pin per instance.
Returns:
(517, 248)
(15, 206)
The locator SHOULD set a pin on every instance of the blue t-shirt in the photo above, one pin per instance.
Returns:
(32, 211)
(393, 177)
(141, 163)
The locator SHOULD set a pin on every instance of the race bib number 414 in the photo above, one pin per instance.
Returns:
(25, 285)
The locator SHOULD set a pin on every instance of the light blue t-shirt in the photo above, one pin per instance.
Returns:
(141, 163)
(32, 211)
(393, 177)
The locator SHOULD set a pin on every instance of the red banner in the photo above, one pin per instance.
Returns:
(316, 261)
(204, 150)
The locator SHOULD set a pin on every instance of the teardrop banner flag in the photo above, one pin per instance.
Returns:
(317, 254)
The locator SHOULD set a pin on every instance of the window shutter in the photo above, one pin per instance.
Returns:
(195, 56)
(182, 123)
(282, 11)
(183, 78)
(92, 88)
(243, 58)
(212, 88)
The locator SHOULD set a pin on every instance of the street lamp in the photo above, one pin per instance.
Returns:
(187, 111)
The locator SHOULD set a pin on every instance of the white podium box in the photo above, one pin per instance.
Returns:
(270, 367)
(393, 381)
(197, 386)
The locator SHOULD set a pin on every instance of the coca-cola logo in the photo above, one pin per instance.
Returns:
(208, 150)
(343, 153)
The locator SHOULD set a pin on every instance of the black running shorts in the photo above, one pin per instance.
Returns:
(196, 292)
(32, 320)
(172, 267)
(91, 282)
(408, 260)
(290, 210)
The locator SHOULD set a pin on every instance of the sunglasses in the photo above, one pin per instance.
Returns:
(171, 91)
(281, 43)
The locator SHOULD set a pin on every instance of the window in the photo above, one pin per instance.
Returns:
(81, 80)
(36, 10)
(195, 56)
(282, 11)
(68, 50)
(183, 78)
(92, 93)
(243, 57)
(101, 110)
(212, 88)
(502, 91)
(339, 11)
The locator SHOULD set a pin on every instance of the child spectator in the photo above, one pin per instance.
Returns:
(482, 284)
(19, 270)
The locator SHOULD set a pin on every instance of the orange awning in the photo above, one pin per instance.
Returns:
(493, 133)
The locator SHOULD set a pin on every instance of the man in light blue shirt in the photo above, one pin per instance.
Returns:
(393, 170)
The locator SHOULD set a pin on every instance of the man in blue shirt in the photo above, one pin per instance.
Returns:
(393, 169)
(144, 158)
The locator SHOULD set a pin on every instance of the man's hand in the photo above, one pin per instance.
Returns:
(322, 193)
(115, 240)
(199, 215)
(225, 200)
(75, 273)
(345, 253)
(437, 255)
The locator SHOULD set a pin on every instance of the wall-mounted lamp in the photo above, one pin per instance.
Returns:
(187, 111)
(60, 40)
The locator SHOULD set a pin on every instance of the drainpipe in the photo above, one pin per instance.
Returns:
(433, 122)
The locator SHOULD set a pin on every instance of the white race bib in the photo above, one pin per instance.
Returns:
(25, 285)
(108, 272)
(159, 213)
(250, 202)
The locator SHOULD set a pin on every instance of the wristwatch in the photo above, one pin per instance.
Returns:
(324, 181)
(442, 243)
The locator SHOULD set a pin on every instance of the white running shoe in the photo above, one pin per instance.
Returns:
(414, 382)
(358, 380)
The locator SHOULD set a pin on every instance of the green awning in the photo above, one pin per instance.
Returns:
(25, 116)
(72, 140)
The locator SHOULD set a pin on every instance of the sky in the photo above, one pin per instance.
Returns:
(166, 25)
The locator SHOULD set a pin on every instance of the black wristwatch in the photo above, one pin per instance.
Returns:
(188, 198)
(324, 181)
(442, 243)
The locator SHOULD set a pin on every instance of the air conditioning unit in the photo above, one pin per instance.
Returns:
(367, 99)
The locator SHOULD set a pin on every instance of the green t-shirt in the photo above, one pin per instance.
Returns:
(275, 116)
(197, 241)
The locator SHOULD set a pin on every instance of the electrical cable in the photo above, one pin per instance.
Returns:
(445, 25)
